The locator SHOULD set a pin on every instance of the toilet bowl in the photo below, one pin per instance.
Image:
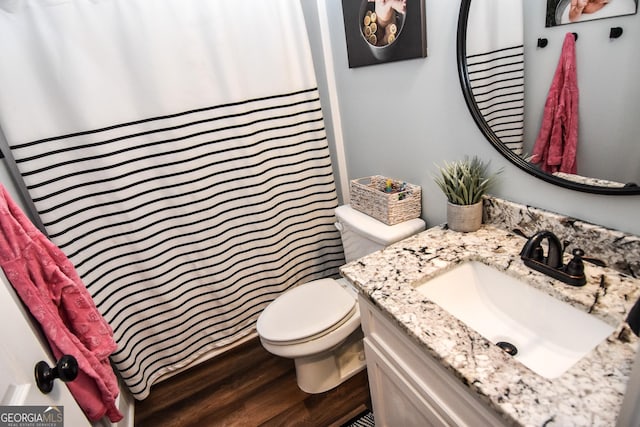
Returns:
(311, 324)
(317, 324)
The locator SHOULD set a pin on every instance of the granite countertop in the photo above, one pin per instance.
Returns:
(589, 394)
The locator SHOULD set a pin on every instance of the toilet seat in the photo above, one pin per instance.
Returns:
(306, 312)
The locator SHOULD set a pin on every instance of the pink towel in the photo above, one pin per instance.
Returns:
(557, 143)
(50, 287)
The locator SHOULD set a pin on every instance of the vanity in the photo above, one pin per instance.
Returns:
(428, 367)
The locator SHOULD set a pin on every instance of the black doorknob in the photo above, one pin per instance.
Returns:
(66, 369)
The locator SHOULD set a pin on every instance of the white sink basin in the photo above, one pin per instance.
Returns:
(550, 336)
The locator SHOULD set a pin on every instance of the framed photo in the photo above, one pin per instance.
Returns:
(560, 12)
(379, 31)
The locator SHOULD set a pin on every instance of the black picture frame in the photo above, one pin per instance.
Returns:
(558, 11)
(410, 39)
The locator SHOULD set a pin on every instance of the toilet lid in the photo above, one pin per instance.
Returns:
(305, 311)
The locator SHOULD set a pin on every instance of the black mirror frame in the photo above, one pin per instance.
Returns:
(465, 84)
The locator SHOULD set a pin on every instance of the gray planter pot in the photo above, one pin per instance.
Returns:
(464, 217)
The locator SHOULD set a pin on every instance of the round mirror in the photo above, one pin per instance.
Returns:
(508, 137)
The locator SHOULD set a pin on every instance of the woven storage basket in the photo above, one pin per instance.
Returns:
(368, 196)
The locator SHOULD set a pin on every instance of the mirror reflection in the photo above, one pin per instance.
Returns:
(506, 75)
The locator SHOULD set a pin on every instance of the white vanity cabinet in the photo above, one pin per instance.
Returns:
(410, 388)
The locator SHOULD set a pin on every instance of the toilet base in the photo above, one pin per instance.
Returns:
(322, 372)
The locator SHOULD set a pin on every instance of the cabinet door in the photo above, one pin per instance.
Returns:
(395, 402)
(21, 350)
(431, 392)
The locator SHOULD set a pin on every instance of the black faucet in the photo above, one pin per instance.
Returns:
(552, 265)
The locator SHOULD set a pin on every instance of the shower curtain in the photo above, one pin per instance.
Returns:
(175, 150)
(495, 61)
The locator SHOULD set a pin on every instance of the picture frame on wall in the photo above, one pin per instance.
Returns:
(379, 31)
(561, 12)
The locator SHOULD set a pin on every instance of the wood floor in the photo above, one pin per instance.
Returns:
(248, 386)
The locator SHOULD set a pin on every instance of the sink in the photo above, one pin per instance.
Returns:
(549, 335)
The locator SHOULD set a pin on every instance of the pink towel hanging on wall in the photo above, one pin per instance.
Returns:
(557, 143)
(49, 286)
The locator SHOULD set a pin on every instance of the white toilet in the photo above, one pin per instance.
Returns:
(318, 323)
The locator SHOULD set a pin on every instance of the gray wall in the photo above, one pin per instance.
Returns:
(398, 119)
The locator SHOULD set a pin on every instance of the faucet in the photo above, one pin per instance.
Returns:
(532, 254)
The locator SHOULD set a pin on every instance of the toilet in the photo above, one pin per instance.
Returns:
(317, 324)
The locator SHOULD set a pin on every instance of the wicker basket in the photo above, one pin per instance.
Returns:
(368, 196)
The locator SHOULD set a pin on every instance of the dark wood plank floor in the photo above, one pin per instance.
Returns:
(248, 386)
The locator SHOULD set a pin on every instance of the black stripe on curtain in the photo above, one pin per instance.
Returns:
(497, 83)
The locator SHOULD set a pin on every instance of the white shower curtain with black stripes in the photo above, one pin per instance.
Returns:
(175, 150)
(495, 62)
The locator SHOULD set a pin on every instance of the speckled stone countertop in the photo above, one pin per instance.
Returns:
(589, 394)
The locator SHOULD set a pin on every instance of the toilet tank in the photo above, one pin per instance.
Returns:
(362, 234)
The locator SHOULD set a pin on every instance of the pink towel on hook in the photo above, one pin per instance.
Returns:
(556, 147)
(50, 287)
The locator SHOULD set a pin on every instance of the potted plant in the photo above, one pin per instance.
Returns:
(464, 183)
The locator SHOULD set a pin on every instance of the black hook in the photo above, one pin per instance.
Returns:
(66, 369)
(575, 36)
(542, 42)
(615, 32)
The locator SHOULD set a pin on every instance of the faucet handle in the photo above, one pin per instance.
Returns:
(575, 267)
